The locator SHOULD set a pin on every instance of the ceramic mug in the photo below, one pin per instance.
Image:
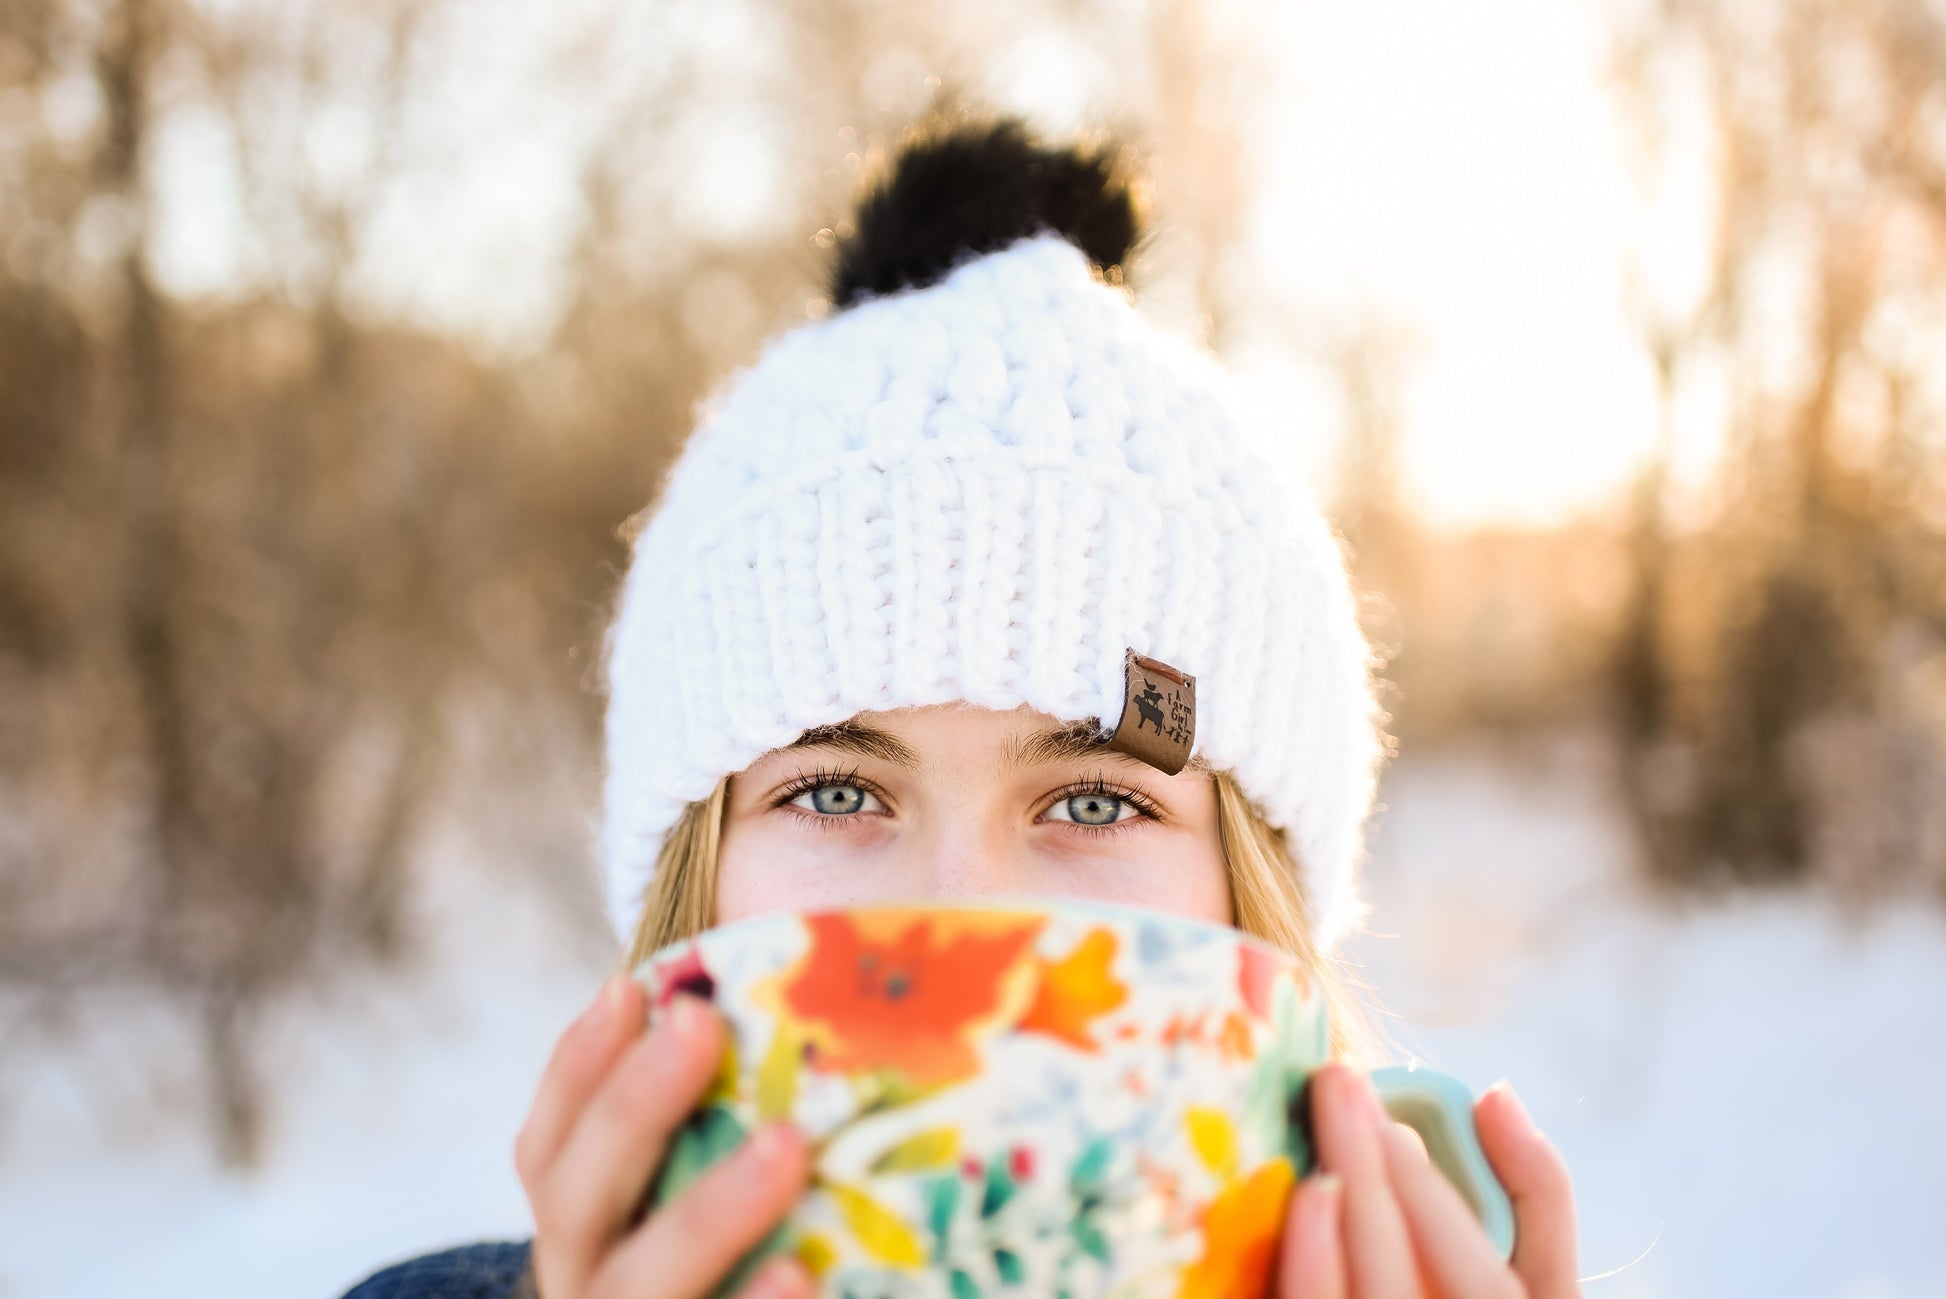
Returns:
(1054, 1098)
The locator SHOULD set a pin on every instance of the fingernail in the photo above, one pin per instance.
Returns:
(1317, 1209)
(1369, 1102)
(686, 1014)
(769, 1142)
(771, 1148)
(1515, 1110)
(782, 1278)
(608, 1003)
(1408, 1135)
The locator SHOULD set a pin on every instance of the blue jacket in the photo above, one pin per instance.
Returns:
(489, 1270)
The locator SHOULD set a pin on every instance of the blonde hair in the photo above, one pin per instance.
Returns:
(1264, 893)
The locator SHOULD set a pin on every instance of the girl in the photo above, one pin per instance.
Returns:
(903, 580)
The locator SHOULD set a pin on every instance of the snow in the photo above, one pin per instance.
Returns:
(1745, 1087)
(398, 1097)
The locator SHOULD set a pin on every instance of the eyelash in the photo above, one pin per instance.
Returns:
(1135, 797)
(805, 781)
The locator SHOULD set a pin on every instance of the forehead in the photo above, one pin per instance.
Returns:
(1021, 738)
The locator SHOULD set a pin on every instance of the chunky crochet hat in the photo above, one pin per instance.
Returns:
(986, 477)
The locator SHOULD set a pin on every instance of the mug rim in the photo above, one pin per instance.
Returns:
(1012, 903)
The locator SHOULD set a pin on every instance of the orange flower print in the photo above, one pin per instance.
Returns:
(1235, 1038)
(907, 991)
(1074, 990)
(1241, 1227)
(1179, 1030)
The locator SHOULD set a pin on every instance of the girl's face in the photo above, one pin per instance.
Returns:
(956, 801)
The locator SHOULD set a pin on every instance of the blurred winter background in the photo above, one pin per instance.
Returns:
(340, 341)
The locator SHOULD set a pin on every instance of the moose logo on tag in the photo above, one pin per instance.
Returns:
(1158, 722)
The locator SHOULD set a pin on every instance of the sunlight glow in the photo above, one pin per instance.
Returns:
(1455, 172)
(1457, 175)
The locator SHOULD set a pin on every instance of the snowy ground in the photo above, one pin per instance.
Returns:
(1747, 1091)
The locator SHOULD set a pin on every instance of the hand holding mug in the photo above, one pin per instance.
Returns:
(607, 1107)
(1381, 1220)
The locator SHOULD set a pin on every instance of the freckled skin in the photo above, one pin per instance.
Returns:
(959, 826)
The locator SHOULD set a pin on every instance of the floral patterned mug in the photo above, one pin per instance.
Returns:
(1047, 1098)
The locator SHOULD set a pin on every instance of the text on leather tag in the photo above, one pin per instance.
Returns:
(1158, 723)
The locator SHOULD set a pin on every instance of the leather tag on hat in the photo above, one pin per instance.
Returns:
(1158, 724)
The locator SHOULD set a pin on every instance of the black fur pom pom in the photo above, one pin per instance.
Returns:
(976, 189)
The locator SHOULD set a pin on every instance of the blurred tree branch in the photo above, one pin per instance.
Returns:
(272, 553)
(1771, 654)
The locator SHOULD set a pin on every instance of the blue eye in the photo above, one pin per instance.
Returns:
(831, 796)
(1099, 807)
(837, 800)
(1091, 809)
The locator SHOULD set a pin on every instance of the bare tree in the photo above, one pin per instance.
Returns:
(1739, 741)
(265, 549)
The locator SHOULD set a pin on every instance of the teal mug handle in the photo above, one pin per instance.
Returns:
(1440, 1109)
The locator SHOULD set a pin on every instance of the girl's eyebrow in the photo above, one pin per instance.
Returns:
(1054, 744)
(1063, 743)
(857, 737)
(1071, 742)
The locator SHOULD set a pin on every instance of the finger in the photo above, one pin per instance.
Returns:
(781, 1278)
(1349, 1120)
(590, 1196)
(1311, 1263)
(1451, 1246)
(1536, 1179)
(581, 1059)
(685, 1247)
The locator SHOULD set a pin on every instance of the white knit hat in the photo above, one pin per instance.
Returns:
(988, 488)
